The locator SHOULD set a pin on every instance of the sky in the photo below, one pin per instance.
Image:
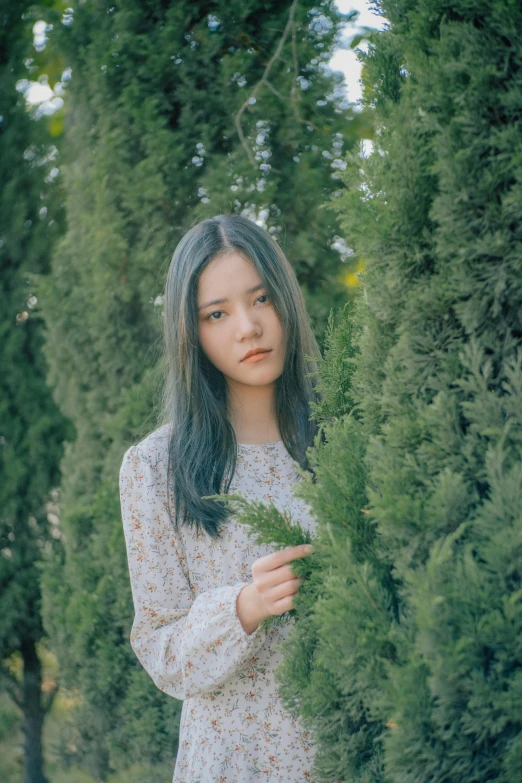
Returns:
(345, 60)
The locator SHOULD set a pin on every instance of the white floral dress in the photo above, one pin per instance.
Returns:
(186, 633)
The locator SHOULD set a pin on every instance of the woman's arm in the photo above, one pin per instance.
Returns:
(187, 645)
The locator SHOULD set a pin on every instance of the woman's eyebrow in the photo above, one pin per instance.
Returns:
(220, 301)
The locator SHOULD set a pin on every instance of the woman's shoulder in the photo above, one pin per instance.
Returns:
(153, 448)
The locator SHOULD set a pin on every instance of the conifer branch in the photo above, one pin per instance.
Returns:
(366, 592)
(267, 525)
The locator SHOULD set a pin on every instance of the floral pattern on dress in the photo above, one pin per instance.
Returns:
(186, 632)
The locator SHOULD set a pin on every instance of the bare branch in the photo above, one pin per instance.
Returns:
(262, 81)
(294, 94)
(298, 118)
(276, 92)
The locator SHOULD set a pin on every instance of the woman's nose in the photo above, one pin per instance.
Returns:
(247, 324)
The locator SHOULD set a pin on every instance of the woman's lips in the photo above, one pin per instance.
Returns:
(256, 357)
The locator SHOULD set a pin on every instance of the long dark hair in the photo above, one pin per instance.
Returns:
(202, 446)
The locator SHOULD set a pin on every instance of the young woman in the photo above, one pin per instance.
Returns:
(231, 422)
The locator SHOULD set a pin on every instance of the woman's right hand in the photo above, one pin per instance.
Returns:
(275, 583)
(273, 587)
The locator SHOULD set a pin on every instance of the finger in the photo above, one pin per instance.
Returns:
(283, 589)
(276, 576)
(284, 605)
(287, 554)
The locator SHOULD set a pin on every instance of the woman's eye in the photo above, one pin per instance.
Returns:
(209, 317)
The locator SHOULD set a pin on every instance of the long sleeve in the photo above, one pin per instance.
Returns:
(187, 645)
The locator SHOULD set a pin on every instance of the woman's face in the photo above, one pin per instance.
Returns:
(246, 320)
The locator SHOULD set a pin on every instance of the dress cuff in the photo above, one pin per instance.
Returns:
(249, 640)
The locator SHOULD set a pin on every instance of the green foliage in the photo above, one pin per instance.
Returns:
(11, 753)
(438, 386)
(335, 376)
(87, 614)
(444, 469)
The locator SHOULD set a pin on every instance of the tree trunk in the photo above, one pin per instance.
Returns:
(33, 713)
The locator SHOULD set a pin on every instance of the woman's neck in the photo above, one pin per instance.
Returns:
(252, 415)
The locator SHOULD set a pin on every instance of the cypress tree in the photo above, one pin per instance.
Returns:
(445, 471)
(176, 111)
(32, 427)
